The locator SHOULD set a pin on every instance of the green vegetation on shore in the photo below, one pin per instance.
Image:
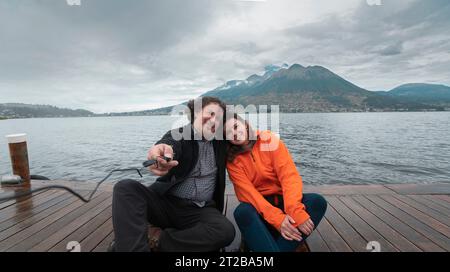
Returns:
(20, 110)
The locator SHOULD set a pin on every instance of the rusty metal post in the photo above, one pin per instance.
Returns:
(19, 156)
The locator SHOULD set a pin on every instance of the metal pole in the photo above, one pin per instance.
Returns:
(19, 156)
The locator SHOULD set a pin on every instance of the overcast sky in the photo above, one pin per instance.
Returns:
(117, 55)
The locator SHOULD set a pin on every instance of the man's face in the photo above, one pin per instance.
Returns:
(209, 120)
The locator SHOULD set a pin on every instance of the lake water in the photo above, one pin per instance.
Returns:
(328, 148)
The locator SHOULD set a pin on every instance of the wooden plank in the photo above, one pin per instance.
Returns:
(32, 212)
(8, 203)
(7, 189)
(439, 200)
(316, 243)
(23, 206)
(32, 235)
(232, 203)
(34, 219)
(409, 233)
(84, 231)
(420, 189)
(27, 205)
(445, 219)
(23, 203)
(75, 185)
(361, 226)
(69, 228)
(95, 239)
(425, 218)
(356, 214)
(432, 205)
(435, 236)
(335, 189)
(105, 243)
(381, 227)
(352, 238)
(443, 197)
(347, 189)
(332, 238)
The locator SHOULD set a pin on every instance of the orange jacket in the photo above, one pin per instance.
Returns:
(269, 169)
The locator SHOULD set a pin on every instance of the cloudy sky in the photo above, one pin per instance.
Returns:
(117, 55)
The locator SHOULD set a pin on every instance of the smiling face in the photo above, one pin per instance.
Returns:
(236, 132)
(208, 120)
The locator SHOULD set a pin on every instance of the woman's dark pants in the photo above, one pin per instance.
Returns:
(259, 236)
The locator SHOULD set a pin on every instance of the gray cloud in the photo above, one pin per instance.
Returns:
(408, 35)
(111, 55)
(393, 49)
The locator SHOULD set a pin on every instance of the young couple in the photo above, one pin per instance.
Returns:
(187, 200)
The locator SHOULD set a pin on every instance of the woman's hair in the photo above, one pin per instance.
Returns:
(234, 150)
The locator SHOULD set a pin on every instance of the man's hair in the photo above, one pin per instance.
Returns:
(205, 101)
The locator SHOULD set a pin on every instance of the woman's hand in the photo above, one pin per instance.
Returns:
(307, 227)
(288, 231)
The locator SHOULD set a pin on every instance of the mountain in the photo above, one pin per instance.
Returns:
(309, 89)
(159, 111)
(19, 110)
(425, 93)
(294, 88)
(252, 80)
(317, 89)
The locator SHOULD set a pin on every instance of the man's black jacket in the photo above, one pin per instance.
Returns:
(186, 153)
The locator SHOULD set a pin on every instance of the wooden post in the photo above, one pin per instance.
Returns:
(19, 156)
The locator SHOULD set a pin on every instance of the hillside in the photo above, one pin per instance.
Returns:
(19, 110)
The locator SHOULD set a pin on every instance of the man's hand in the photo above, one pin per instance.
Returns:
(307, 227)
(288, 231)
(162, 167)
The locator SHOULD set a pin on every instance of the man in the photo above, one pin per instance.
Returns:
(187, 200)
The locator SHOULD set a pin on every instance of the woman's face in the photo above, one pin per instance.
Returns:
(236, 132)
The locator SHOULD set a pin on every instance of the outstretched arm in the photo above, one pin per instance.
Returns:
(167, 147)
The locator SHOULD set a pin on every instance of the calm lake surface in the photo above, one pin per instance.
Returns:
(328, 148)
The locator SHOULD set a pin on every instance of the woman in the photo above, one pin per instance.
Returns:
(274, 214)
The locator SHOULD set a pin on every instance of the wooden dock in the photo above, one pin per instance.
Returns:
(397, 217)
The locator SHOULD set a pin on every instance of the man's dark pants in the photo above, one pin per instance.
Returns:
(186, 227)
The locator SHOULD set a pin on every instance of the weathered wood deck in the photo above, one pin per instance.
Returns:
(398, 217)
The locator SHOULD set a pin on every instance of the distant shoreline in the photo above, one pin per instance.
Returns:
(143, 115)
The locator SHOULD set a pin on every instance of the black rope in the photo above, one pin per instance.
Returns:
(61, 187)
(70, 190)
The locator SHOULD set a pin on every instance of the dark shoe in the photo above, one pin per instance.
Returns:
(303, 247)
(153, 238)
(111, 247)
(243, 246)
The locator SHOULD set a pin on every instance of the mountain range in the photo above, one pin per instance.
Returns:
(294, 88)
(317, 89)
